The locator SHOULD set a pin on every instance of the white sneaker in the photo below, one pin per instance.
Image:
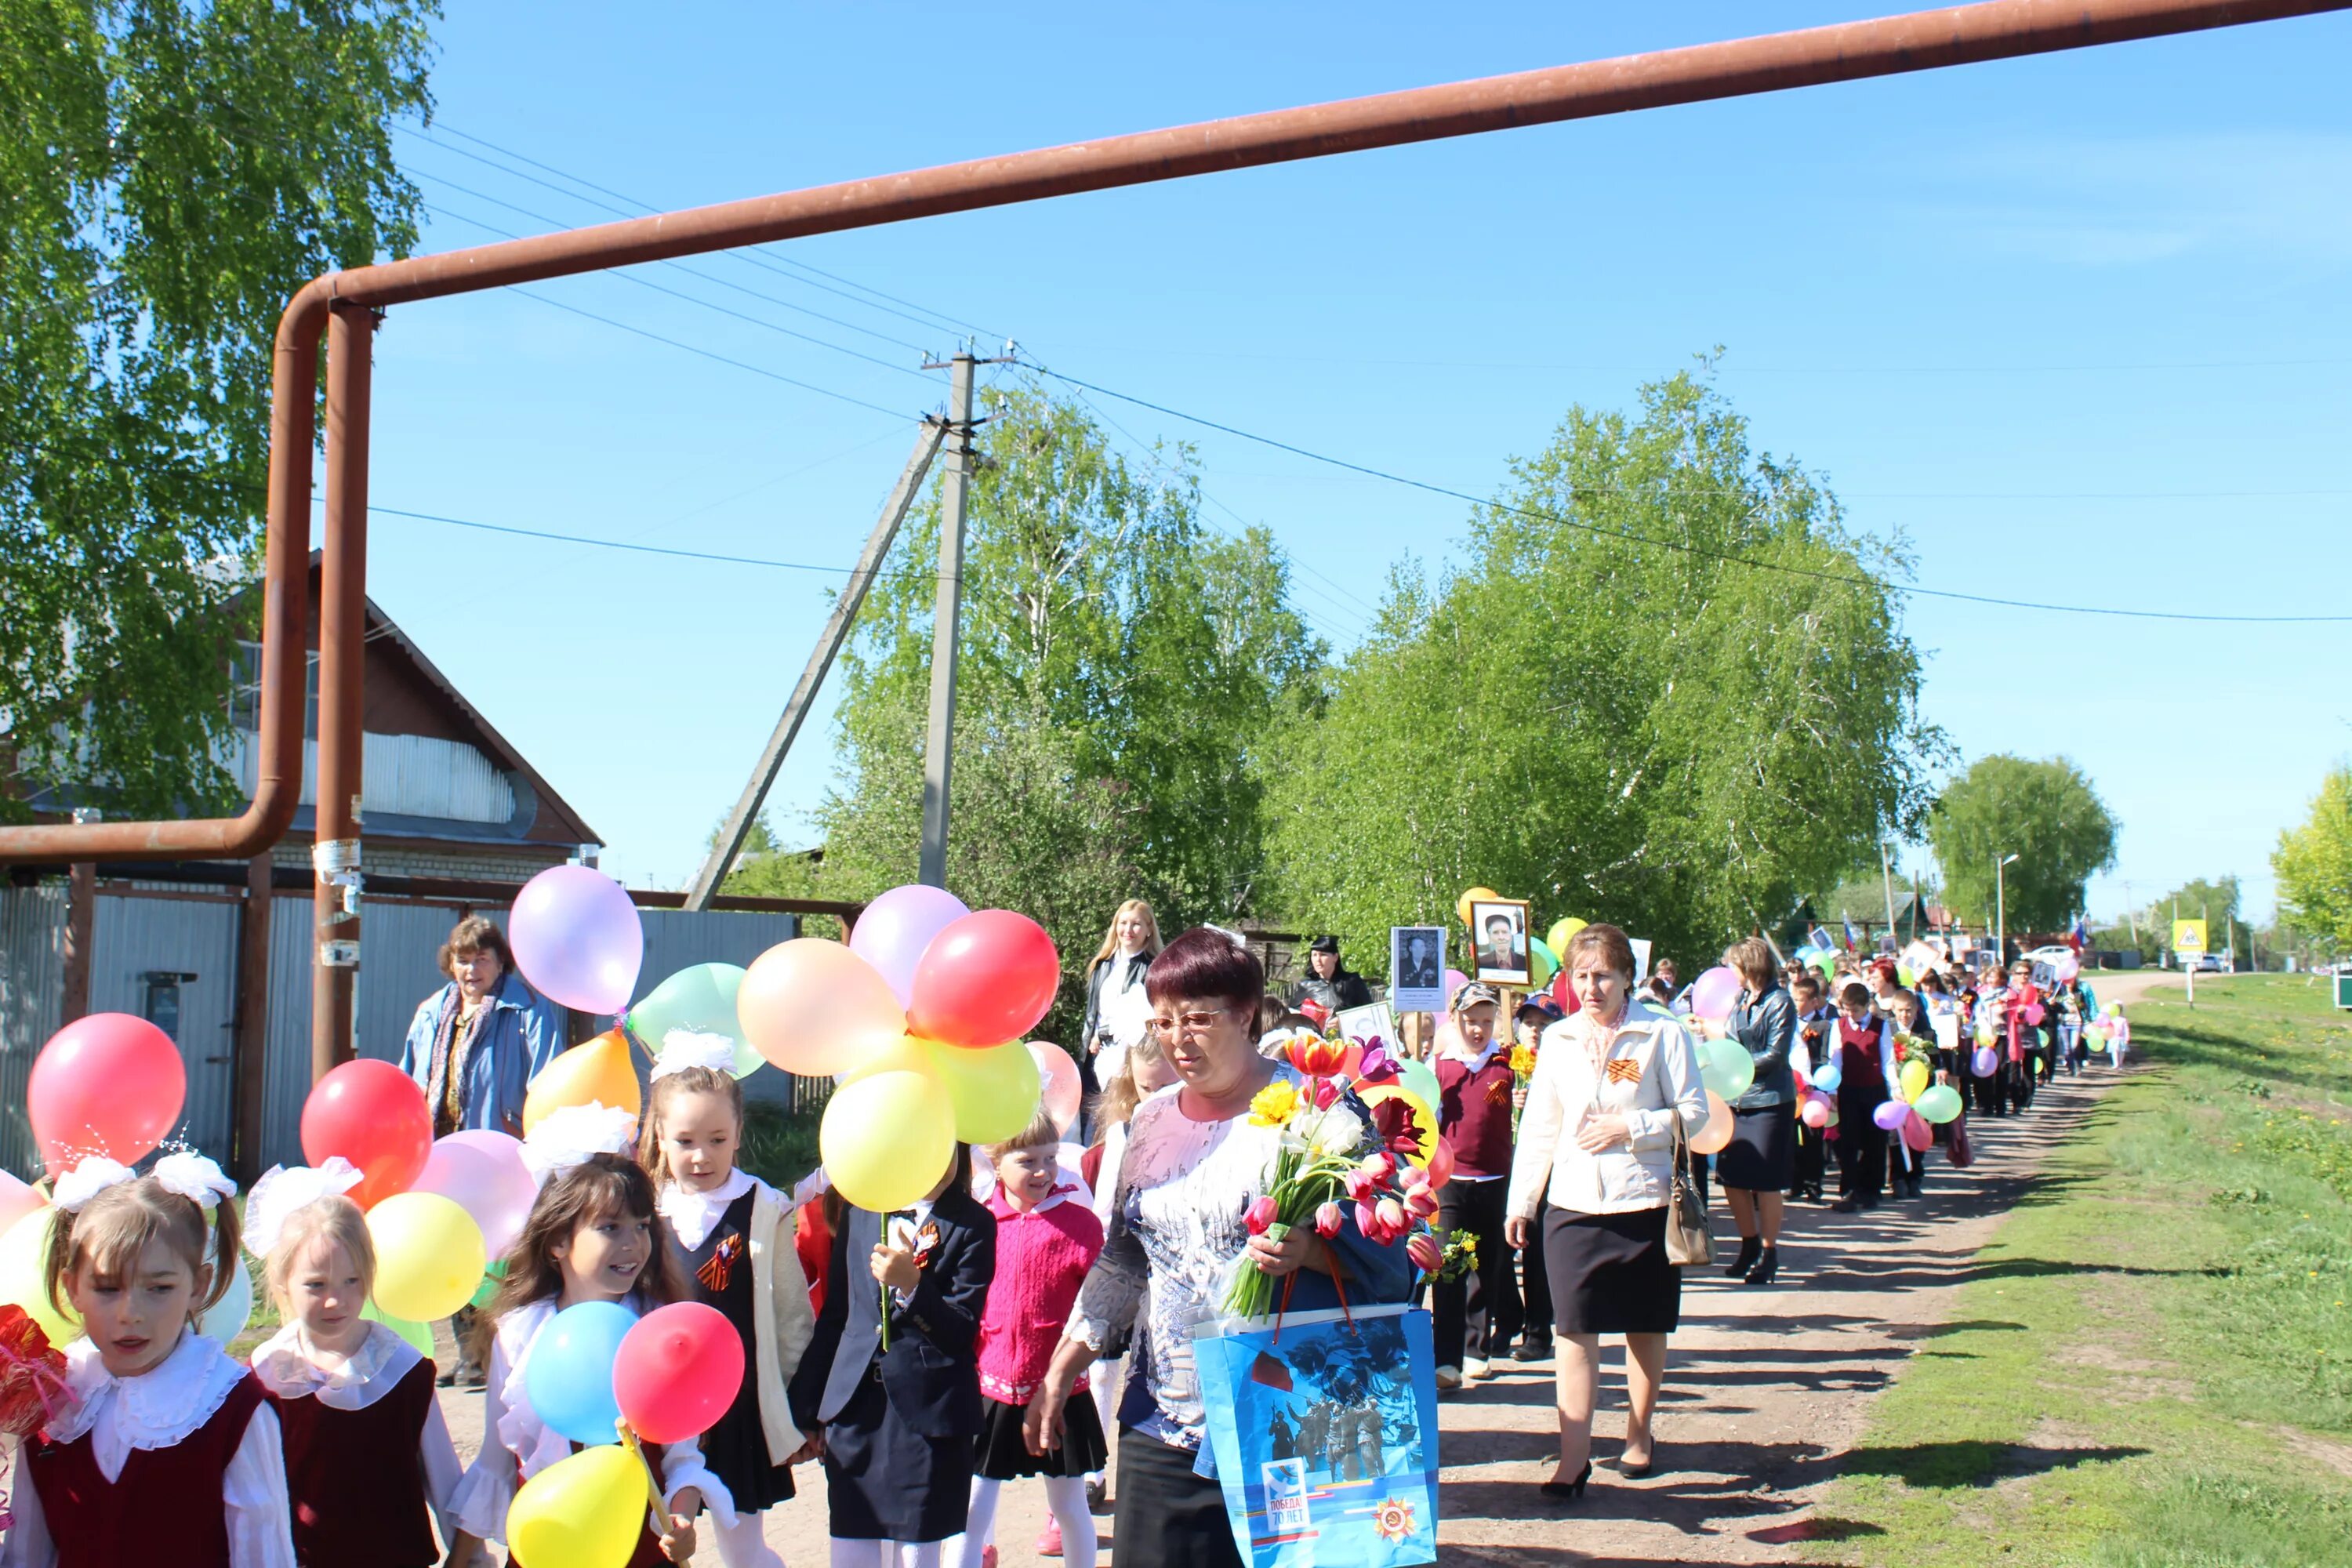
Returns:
(1473, 1368)
(1449, 1377)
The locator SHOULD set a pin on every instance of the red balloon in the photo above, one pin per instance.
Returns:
(985, 979)
(373, 1115)
(678, 1369)
(109, 1084)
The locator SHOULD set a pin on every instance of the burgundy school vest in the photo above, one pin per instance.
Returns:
(356, 1480)
(165, 1507)
(1858, 1062)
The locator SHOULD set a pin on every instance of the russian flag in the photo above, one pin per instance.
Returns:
(2079, 937)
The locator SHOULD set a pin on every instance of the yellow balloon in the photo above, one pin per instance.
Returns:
(1561, 930)
(1424, 1120)
(887, 1137)
(1716, 1136)
(995, 1091)
(428, 1255)
(1915, 1078)
(580, 1513)
(1474, 896)
(23, 1275)
(599, 1071)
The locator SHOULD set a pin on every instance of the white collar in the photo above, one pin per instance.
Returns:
(693, 1216)
(154, 1410)
(1478, 1062)
(288, 1366)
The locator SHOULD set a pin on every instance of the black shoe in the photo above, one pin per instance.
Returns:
(1568, 1491)
(469, 1374)
(1635, 1472)
(1768, 1265)
(1097, 1494)
(1748, 1247)
(1845, 1205)
(1533, 1347)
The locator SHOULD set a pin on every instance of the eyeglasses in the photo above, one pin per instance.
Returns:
(1184, 1023)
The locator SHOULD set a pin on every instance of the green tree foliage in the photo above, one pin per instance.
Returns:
(2214, 902)
(169, 172)
(2314, 863)
(2045, 813)
(1122, 669)
(1610, 709)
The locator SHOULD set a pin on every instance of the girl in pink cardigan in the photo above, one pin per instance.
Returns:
(1044, 1245)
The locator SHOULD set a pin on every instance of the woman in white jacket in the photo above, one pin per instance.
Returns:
(1597, 1141)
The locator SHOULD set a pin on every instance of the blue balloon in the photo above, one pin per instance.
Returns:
(1825, 1079)
(568, 1374)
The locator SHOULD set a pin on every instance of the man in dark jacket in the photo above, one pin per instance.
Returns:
(1327, 982)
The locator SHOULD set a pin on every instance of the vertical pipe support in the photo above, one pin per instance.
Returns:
(336, 882)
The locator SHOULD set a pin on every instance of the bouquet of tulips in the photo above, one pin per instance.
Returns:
(1329, 1157)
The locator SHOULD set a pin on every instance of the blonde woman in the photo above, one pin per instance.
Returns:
(1597, 1141)
(1117, 1011)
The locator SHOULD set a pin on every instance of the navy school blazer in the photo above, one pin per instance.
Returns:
(932, 1371)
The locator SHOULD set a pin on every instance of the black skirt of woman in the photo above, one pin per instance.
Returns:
(1609, 1274)
(1175, 1514)
(1762, 1153)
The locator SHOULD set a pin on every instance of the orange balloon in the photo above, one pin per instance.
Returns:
(1716, 1135)
(1474, 896)
(814, 1007)
(599, 1071)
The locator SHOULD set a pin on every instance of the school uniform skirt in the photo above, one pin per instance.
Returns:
(1165, 1511)
(1609, 1274)
(1001, 1454)
(886, 1481)
(1762, 1153)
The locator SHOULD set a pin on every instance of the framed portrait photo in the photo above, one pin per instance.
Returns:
(1417, 969)
(1499, 938)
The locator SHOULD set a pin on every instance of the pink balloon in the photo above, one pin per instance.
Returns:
(678, 1369)
(1815, 1112)
(985, 979)
(1890, 1114)
(815, 1008)
(1063, 1089)
(897, 927)
(109, 1084)
(2033, 1014)
(1713, 994)
(16, 1200)
(1917, 1133)
(2066, 969)
(483, 1172)
(1985, 1062)
(578, 939)
(1454, 981)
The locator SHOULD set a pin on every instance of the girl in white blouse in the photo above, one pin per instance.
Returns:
(1597, 1141)
(166, 1451)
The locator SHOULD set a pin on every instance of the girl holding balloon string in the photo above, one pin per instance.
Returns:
(591, 1237)
(731, 1234)
(368, 1455)
(163, 1449)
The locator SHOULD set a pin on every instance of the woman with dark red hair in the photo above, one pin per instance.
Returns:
(1193, 1166)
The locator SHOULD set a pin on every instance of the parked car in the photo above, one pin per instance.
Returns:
(2212, 963)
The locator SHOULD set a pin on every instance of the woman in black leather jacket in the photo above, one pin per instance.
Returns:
(1755, 1167)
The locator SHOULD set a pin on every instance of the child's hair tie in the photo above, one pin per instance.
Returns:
(192, 1175)
(87, 1178)
(682, 1049)
(285, 1190)
(576, 1133)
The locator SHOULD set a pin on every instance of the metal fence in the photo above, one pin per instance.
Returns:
(172, 956)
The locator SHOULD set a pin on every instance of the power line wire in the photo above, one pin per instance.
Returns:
(1726, 556)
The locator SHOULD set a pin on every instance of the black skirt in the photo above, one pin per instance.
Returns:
(1762, 1153)
(886, 1481)
(1165, 1511)
(1609, 1274)
(998, 1454)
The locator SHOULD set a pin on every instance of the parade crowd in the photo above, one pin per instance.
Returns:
(1033, 1315)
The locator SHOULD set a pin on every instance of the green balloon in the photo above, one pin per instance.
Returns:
(700, 998)
(1729, 1072)
(995, 1091)
(1543, 963)
(1937, 1103)
(417, 1334)
(1421, 1078)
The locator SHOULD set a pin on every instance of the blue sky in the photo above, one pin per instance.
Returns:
(2074, 325)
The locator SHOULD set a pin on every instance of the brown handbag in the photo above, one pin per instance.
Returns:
(1689, 1243)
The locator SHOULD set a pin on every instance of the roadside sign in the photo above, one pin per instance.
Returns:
(2188, 938)
(2344, 988)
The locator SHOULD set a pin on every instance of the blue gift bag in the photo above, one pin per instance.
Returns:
(1324, 1433)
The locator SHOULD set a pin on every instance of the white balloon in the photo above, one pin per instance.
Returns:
(227, 1317)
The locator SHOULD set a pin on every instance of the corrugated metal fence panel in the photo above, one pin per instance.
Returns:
(32, 998)
(134, 937)
(680, 939)
(286, 1083)
(399, 944)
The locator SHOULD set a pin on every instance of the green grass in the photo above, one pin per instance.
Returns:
(2152, 1362)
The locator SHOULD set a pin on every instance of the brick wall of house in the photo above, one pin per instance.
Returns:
(382, 859)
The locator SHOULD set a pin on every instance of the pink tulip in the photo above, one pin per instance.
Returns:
(1328, 1218)
(1414, 1177)
(1424, 1251)
(1422, 1202)
(1259, 1216)
(1368, 1219)
(1359, 1186)
(1393, 1219)
(1378, 1167)
(1326, 1094)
